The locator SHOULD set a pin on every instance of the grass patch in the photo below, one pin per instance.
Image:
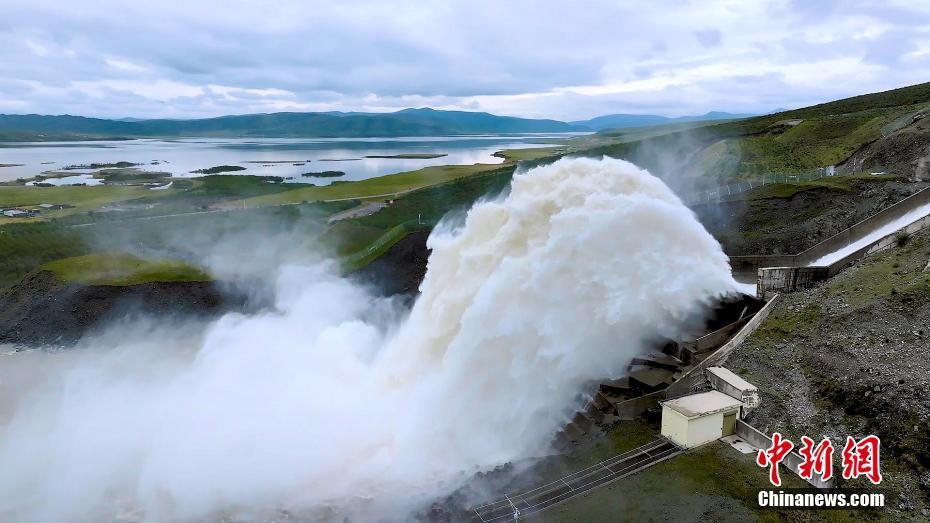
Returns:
(713, 482)
(431, 204)
(895, 275)
(382, 186)
(348, 237)
(83, 198)
(379, 246)
(786, 323)
(219, 169)
(534, 153)
(121, 269)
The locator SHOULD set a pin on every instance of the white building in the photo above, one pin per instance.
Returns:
(694, 420)
(727, 382)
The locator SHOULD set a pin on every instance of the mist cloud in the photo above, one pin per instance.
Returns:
(334, 403)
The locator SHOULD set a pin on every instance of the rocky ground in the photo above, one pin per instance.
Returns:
(401, 269)
(905, 152)
(787, 219)
(852, 357)
(42, 310)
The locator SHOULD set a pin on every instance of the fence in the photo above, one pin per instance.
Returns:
(712, 195)
(516, 506)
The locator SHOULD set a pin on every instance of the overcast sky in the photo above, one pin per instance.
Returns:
(558, 59)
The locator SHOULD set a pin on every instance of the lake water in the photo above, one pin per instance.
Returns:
(266, 156)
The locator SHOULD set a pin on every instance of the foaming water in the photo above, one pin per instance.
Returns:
(337, 405)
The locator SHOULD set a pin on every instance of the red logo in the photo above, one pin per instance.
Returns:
(819, 459)
(773, 456)
(860, 458)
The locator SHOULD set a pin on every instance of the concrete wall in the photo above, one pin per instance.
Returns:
(774, 280)
(752, 263)
(706, 429)
(635, 407)
(733, 386)
(881, 244)
(715, 338)
(695, 375)
(865, 227)
(675, 427)
(792, 461)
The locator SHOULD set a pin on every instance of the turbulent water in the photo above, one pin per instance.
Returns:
(335, 401)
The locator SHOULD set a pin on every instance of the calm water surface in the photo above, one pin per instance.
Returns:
(265, 156)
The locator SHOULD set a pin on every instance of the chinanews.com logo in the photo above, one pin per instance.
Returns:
(859, 458)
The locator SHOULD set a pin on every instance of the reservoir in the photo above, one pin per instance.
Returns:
(287, 158)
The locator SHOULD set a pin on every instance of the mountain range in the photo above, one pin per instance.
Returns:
(406, 122)
(618, 121)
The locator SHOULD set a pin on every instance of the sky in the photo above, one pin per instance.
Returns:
(538, 59)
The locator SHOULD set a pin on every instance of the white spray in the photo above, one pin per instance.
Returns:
(315, 408)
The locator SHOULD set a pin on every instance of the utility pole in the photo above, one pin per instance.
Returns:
(516, 511)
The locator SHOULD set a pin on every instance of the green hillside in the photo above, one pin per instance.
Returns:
(408, 122)
(791, 141)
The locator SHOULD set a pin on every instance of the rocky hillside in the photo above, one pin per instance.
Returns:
(786, 219)
(58, 303)
(851, 358)
(905, 152)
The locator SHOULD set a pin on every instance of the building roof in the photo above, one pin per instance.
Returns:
(730, 377)
(703, 404)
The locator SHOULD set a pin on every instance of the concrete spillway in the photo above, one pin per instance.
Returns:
(872, 237)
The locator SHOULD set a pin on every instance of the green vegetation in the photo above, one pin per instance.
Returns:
(896, 275)
(83, 198)
(408, 122)
(347, 237)
(710, 483)
(783, 324)
(231, 187)
(325, 174)
(114, 165)
(533, 153)
(787, 190)
(131, 175)
(383, 186)
(120, 269)
(219, 169)
(380, 245)
(431, 204)
(26, 245)
(791, 141)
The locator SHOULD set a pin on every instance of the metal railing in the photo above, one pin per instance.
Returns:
(515, 506)
(730, 189)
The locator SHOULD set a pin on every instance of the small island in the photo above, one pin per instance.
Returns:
(409, 156)
(93, 166)
(324, 174)
(219, 169)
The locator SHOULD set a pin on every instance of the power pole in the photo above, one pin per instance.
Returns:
(516, 511)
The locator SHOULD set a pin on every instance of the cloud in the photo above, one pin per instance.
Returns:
(538, 59)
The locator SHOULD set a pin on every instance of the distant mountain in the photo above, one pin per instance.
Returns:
(408, 122)
(618, 121)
